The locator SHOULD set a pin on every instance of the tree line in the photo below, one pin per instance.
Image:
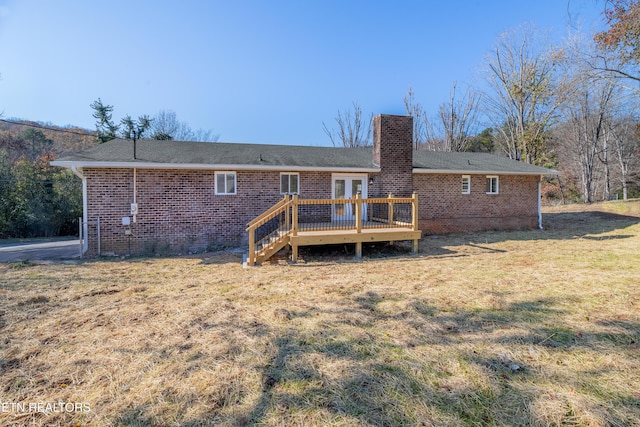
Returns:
(573, 107)
(164, 126)
(38, 200)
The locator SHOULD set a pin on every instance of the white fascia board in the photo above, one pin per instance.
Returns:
(487, 172)
(201, 166)
(204, 166)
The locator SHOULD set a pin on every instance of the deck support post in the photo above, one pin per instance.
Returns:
(358, 224)
(390, 210)
(359, 213)
(252, 247)
(287, 214)
(414, 220)
(294, 215)
(414, 211)
(294, 227)
(358, 250)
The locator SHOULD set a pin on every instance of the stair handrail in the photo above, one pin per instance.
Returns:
(275, 210)
(266, 215)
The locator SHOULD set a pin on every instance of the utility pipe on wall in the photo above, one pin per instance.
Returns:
(85, 227)
(540, 204)
(135, 179)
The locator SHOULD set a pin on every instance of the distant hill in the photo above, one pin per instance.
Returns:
(24, 138)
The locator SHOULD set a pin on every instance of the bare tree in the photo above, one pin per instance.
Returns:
(353, 129)
(415, 110)
(525, 93)
(203, 135)
(624, 136)
(451, 130)
(167, 126)
(458, 118)
(599, 121)
(585, 133)
(1, 112)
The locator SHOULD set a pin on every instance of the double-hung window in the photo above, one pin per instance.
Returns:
(466, 184)
(225, 183)
(289, 183)
(492, 184)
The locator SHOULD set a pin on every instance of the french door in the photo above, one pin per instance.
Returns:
(346, 187)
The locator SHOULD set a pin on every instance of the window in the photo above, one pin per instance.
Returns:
(225, 183)
(466, 184)
(289, 183)
(492, 185)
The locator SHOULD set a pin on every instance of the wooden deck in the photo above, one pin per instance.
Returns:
(366, 235)
(332, 237)
(288, 230)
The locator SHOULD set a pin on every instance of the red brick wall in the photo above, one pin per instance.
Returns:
(178, 210)
(444, 209)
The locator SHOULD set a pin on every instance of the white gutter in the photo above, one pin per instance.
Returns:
(151, 165)
(479, 172)
(85, 228)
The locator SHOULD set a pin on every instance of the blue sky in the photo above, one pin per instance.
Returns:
(254, 71)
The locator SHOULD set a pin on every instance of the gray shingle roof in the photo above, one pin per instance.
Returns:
(473, 162)
(152, 153)
(220, 153)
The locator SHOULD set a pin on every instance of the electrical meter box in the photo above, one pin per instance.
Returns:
(134, 209)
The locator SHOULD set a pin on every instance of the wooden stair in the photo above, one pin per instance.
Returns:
(265, 247)
(274, 245)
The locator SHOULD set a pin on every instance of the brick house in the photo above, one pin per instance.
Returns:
(187, 196)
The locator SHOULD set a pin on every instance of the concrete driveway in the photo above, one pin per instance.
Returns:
(38, 251)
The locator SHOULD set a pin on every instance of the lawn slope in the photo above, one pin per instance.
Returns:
(537, 327)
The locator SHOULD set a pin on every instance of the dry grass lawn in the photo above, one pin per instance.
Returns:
(497, 328)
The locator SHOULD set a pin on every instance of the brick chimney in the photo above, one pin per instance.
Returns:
(393, 152)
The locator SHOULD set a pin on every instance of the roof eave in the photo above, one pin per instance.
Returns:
(205, 166)
(483, 172)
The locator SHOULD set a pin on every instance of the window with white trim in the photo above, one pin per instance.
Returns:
(466, 184)
(289, 183)
(225, 183)
(492, 184)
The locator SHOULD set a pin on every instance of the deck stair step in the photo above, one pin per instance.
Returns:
(272, 248)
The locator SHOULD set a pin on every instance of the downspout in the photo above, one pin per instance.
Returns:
(135, 203)
(85, 227)
(540, 203)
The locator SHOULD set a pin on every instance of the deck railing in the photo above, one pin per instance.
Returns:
(271, 230)
(356, 213)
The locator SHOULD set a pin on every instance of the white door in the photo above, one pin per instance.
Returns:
(346, 187)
